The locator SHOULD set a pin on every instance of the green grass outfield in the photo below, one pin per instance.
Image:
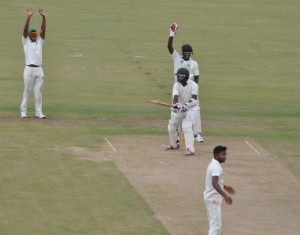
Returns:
(103, 61)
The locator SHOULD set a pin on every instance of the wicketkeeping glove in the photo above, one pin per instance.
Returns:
(173, 29)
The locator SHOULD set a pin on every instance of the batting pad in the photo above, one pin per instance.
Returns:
(187, 128)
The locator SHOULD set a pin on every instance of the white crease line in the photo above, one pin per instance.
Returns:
(110, 145)
(252, 147)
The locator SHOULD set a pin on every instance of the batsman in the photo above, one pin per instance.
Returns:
(184, 111)
(185, 61)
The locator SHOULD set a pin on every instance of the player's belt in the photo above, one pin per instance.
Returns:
(33, 65)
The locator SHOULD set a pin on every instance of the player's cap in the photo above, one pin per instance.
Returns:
(187, 48)
(30, 30)
(182, 74)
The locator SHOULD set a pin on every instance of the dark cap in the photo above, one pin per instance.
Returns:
(187, 48)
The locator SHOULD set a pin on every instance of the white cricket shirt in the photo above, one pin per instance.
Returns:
(33, 51)
(214, 169)
(185, 92)
(190, 64)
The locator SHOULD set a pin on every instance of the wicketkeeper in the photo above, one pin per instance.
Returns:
(185, 110)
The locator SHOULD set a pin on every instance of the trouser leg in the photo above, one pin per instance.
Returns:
(28, 86)
(174, 124)
(37, 89)
(214, 218)
(197, 124)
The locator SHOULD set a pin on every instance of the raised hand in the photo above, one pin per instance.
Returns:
(29, 12)
(42, 13)
(173, 29)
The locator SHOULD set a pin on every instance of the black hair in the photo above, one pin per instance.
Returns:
(219, 149)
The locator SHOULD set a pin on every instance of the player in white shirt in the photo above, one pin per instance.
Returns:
(185, 61)
(184, 111)
(215, 190)
(33, 72)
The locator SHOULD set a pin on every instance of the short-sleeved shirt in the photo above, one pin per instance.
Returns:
(214, 169)
(190, 64)
(33, 51)
(185, 92)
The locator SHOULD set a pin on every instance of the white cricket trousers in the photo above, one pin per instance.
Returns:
(197, 124)
(33, 80)
(214, 217)
(176, 122)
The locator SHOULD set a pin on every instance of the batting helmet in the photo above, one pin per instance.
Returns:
(182, 74)
(187, 48)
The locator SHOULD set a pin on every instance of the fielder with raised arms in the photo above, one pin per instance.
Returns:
(185, 61)
(33, 72)
(185, 110)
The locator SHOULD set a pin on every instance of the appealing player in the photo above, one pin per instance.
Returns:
(215, 190)
(185, 61)
(185, 110)
(33, 72)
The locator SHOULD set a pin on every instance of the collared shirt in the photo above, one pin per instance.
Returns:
(214, 169)
(190, 64)
(33, 51)
(185, 92)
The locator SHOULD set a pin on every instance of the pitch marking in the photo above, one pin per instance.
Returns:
(110, 145)
(252, 147)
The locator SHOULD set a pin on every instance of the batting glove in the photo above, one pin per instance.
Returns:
(183, 108)
(173, 29)
(175, 108)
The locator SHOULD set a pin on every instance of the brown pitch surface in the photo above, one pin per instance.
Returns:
(267, 199)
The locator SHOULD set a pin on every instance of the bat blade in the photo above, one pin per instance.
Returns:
(158, 102)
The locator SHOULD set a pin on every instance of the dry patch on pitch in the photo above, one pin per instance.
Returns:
(267, 199)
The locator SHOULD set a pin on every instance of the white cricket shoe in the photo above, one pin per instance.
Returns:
(199, 138)
(23, 115)
(170, 147)
(40, 116)
(188, 153)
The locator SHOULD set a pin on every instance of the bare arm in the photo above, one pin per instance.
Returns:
(29, 13)
(43, 27)
(196, 79)
(215, 180)
(170, 45)
(175, 99)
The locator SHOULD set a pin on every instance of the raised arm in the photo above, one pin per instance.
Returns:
(170, 45)
(196, 79)
(29, 13)
(173, 29)
(43, 27)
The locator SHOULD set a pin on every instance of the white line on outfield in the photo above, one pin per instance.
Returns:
(110, 145)
(252, 147)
